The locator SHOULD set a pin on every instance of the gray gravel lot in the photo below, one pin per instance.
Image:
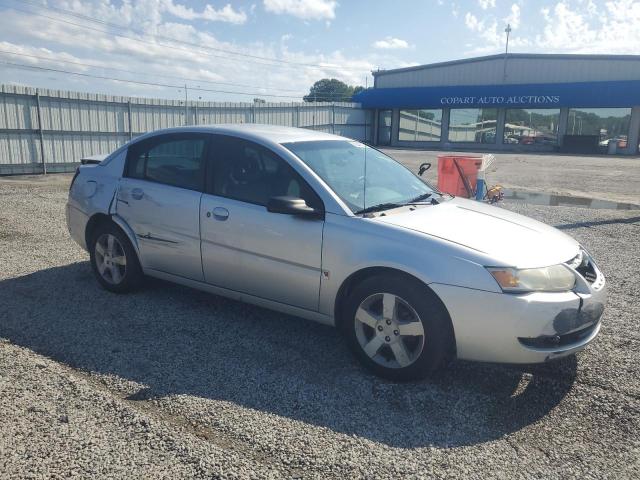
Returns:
(171, 382)
(614, 178)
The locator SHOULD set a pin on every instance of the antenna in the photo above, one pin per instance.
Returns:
(364, 187)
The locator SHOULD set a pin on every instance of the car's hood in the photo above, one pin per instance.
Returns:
(509, 238)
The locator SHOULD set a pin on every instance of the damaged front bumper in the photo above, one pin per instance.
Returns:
(525, 328)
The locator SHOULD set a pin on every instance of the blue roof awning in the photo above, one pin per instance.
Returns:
(542, 95)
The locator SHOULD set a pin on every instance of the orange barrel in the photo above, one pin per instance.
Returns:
(458, 175)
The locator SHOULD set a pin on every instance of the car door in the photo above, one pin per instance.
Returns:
(159, 198)
(247, 248)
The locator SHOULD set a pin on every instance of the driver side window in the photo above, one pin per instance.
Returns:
(251, 173)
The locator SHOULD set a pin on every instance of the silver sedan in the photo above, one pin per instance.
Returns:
(328, 229)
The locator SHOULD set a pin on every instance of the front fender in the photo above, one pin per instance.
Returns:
(352, 244)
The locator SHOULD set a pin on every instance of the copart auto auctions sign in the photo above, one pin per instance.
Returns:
(502, 100)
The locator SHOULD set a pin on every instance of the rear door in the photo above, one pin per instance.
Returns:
(248, 249)
(159, 198)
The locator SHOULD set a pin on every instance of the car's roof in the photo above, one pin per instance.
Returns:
(255, 131)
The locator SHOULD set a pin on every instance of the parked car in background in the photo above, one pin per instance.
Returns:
(620, 140)
(326, 228)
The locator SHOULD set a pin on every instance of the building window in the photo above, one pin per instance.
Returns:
(473, 125)
(607, 123)
(526, 126)
(420, 125)
(384, 127)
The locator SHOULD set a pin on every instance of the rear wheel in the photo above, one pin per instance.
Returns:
(114, 260)
(397, 327)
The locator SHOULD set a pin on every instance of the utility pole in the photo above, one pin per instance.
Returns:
(186, 106)
(506, 52)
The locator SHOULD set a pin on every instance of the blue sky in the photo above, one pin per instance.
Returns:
(276, 49)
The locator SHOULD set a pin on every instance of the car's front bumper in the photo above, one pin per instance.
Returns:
(526, 328)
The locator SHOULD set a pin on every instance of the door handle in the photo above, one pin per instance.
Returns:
(137, 193)
(220, 213)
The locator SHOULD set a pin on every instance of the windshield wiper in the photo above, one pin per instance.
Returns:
(419, 198)
(388, 205)
(379, 207)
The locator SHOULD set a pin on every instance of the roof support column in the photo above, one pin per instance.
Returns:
(634, 132)
(500, 121)
(563, 119)
(374, 125)
(444, 128)
(395, 126)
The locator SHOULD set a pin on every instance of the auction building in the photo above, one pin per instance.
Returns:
(514, 102)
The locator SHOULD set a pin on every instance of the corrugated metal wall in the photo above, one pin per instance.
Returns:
(520, 69)
(75, 125)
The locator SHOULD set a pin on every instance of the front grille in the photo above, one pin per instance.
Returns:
(588, 272)
(584, 265)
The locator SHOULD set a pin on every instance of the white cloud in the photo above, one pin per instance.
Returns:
(34, 35)
(149, 12)
(224, 14)
(390, 43)
(455, 11)
(514, 17)
(485, 4)
(568, 26)
(305, 9)
(471, 21)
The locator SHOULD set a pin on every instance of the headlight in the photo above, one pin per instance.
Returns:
(556, 278)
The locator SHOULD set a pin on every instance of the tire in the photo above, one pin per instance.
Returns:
(402, 322)
(114, 261)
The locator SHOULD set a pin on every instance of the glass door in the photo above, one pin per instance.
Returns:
(384, 127)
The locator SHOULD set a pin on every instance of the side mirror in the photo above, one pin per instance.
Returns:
(292, 206)
(423, 168)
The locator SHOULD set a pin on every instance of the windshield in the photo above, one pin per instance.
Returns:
(341, 164)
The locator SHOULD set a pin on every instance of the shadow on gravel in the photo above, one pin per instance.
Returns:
(176, 341)
(612, 221)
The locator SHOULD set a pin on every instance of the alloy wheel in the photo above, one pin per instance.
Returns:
(389, 330)
(111, 260)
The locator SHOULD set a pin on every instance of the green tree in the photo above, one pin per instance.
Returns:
(331, 90)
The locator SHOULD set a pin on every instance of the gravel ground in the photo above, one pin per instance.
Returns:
(171, 382)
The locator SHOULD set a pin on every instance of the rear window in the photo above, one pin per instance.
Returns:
(175, 159)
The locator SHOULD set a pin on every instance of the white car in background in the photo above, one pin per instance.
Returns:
(328, 229)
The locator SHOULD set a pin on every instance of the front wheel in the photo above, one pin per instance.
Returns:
(114, 261)
(397, 327)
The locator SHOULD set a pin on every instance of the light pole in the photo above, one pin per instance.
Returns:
(506, 52)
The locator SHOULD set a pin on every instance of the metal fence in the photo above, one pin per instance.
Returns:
(50, 130)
